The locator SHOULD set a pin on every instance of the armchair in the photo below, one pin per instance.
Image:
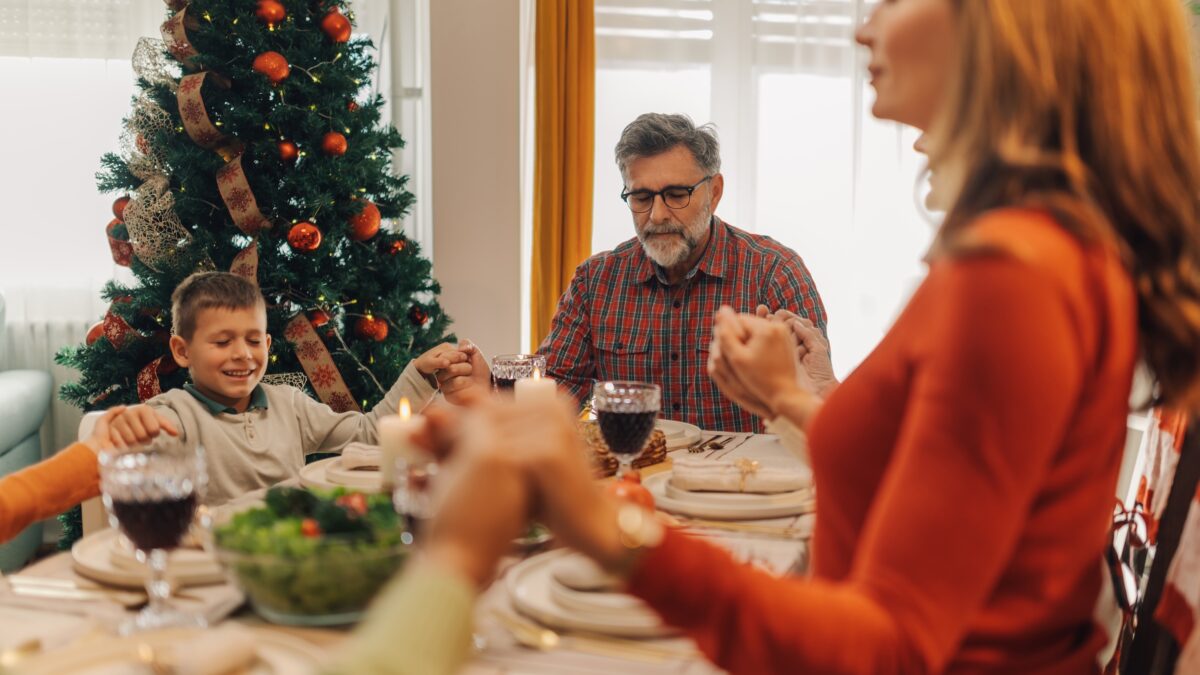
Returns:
(25, 397)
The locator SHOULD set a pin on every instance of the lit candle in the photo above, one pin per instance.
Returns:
(535, 389)
(395, 442)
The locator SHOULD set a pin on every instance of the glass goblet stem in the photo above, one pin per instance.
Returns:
(158, 589)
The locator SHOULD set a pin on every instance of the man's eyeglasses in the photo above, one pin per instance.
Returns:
(674, 196)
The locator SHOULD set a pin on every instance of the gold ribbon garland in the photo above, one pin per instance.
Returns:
(318, 364)
(245, 263)
(195, 117)
(235, 192)
(174, 32)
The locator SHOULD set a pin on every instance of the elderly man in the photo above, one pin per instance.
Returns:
(644, 311)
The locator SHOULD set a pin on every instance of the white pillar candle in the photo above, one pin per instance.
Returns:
(395, 441)
(535, 389)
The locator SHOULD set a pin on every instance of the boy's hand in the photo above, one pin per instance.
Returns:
(465, 383)
(440, 357)
(135, 425)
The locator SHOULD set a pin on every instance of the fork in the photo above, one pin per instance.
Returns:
(710, 444)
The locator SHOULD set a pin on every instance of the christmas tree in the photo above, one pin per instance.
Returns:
(254, 146)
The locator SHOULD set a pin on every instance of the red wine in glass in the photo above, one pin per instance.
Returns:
(504, 383)
(625, 433)
(155, 524)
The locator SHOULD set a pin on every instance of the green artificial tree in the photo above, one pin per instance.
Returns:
(255, 146)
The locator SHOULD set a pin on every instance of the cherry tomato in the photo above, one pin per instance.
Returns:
(354, 502)
(310, 528)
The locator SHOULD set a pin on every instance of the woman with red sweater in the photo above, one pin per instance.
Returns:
(967, 467)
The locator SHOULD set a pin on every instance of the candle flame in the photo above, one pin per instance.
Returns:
(537, 373)
(405, 409)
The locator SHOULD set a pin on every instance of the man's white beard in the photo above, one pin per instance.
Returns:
(672, 251)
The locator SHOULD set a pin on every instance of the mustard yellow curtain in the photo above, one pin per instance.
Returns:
(565, 122)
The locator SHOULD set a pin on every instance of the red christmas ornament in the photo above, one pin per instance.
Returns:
(95, 332)
(287, 151)
(352, 106)
(371, 328)
(397, 246)
(142, 144)
(333, 144)
(336, 26)
(270, 12)
(304, 237)
(318, 318)
(273, 66)
(417, 315)
(119, 207)
(366, 224)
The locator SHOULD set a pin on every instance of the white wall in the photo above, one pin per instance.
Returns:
(475, 91)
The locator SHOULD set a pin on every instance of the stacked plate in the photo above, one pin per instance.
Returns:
(329, 473)
(564, 590)
(679, 434)
(728, 505)
(108, 557)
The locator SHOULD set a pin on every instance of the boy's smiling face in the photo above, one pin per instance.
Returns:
(226, 354)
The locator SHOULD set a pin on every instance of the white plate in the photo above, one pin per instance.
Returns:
(725, 506)
(327, 474)
(678, 434)
(278, 654)
(601, 602)
(99, 557)
(529, 584)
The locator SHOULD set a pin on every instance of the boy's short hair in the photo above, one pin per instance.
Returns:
(208, 290)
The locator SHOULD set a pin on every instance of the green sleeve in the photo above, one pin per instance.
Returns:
(420, 625)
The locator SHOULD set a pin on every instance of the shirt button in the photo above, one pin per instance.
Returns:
(674, 356)
(677, 304)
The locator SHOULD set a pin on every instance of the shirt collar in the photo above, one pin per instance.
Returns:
(258, 399)
(712, 262)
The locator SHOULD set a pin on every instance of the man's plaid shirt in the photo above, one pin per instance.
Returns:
(619, 321)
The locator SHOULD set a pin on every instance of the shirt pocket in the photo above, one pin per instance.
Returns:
(624, 357)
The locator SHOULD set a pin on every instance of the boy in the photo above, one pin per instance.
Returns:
(256, 435)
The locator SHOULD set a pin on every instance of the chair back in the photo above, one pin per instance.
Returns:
(94, 516)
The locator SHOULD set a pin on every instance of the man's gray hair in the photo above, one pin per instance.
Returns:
(655, 133)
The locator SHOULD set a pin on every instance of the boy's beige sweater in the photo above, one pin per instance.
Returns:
(264, 446)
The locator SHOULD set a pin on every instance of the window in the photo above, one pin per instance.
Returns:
(804, 161)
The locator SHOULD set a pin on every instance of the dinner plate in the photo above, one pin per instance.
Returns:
(678, 434)
(101, 557)
(329, 473)
(726, 506)
(277, 654)
(600, 602)
(530, 585)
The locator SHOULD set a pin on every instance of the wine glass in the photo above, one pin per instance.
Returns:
(151, 497)
(625, 412)
(412, 496)
(508, 368)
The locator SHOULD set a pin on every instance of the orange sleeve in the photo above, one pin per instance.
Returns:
(47, 489)
(997, 373)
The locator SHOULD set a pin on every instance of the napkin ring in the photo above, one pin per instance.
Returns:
(747, 467)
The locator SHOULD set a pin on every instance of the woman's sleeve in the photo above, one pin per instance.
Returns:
(47, 488)
(998, 380)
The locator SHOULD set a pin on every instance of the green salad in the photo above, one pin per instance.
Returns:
(314, 556)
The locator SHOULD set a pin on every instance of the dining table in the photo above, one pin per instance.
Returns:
(35, 630)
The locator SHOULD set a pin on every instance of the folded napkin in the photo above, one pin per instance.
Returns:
(222, 650)
(361, 456)
(737, 475)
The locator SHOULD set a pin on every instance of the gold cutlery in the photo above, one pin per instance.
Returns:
(540, 638)
(707, 445)
(126, 597)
